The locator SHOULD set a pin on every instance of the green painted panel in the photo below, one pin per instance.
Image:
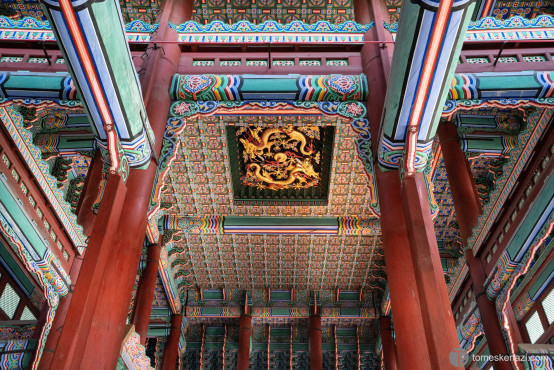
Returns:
(279, 346)
(483, 143)
(280, 296)
(21, 220)
(541, 279)
(212, 295)
(349, 296)
(347, 347)
(350, 312)
(280, 332)
(34, 82)
(478, 121)
(215, 331)
(344, 332)
(531, 218)
(16, 269)
(211, 311)
(276, 84)
(514, 82)
(72, 142)
(157, 332)
(277, 311)
(117, 53)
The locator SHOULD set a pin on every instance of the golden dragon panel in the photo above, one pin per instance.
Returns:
(280, 157)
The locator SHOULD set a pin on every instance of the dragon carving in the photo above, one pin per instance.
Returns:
(279, 158)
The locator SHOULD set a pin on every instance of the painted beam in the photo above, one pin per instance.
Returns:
(64, 143)
(37, 85)
(281, 312)
(429, 40)
(92, 38)
(508, 85)
(272, 225)
(269, 87)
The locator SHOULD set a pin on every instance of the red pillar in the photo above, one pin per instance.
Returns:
(411, 343)
(98, 343)
(440, 329)
(85, 216)
(387, 341)
(87, 293)
(59, 319)
(316, 355)
(245, 332)
(145, 293)
(376, 62)
(468, 207)
(160, 67)
(171, 349)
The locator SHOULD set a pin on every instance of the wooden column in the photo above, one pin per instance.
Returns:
(146, 288)
(468, 208)
(387, 341)
(87, 293)
(376, 61)
(439, 326)
(411, 343)
(94, 334)
(245, 332)
(316, 355)
(171, 349)
(85, 216)
(59, 319)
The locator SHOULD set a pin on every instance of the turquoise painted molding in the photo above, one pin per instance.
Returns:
(491, 23)
(23, 140)
(271, 27)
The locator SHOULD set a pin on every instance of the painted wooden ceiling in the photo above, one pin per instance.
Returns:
(282, 11)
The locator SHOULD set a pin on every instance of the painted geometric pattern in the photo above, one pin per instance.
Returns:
(526, 9)
(160, 297)
(144, 10)
(279, 261)
(199, 181)
(282, 11)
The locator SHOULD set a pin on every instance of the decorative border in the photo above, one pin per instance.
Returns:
(31, 29)
(514, 28)
(272, 27)
(52, 297)
(182, 110)
(23, 140)
(133, 353)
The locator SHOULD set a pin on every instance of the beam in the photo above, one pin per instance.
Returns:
(428, 43)
(95, 48)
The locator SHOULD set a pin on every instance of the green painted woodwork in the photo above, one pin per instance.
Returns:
(513, 82)
(35, 82)
(280, 296)
(531, 219)
(266, 83)
(482, 143)
(545, 274)
(278, 311)
(21, 221)
(211, 311)
(16, 269)
(118, 55)
(210, 295)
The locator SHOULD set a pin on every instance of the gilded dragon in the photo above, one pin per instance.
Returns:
(279, 170)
